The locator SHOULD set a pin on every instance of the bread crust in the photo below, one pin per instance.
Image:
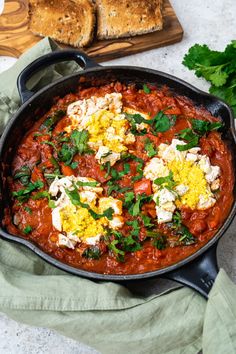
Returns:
(67, 21)
(123, 18)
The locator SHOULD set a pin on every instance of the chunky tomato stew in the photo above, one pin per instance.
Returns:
(121, 179)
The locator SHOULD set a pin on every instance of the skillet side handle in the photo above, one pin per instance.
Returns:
(49, 59)
(200, 274)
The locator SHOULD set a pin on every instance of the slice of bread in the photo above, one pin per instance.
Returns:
(124, 18)
(67, 21)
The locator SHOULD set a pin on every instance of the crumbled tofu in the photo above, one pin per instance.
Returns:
(83, 108)
(204, 164)
(110, 202)
(215, 185)
(191, 157)
(88, 197)
(129, 138)
(155, 168)
(170, 153)
(163, 215)
(104, 155)
(65, 241)
(181, 189)
(168, 206)
(164, 196)
(213, 174)
(194, 150)
(93, 240)
(117, 222)
(205, 202)
(56, 219)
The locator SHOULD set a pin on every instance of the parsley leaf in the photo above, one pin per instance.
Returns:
(134, 209)
(23, 194)
(75, 199)
(67, 153)
(51, 121)
(149, 147)
(27, 229)
(202, 127)
(92, 252)
(216, 67)
(80, 141)
(166, 182)
(23, 174)
(146, 89)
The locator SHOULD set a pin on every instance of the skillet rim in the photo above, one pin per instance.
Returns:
(120, 277)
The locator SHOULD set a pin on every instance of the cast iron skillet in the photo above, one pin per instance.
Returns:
(197, 271)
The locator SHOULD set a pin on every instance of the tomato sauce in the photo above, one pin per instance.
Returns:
(39, 156)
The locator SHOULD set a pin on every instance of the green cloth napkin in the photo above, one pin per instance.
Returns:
(105, 315)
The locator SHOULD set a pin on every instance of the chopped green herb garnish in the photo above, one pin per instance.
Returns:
(23, 194)
(201, 127)
(80, 141)
(40, 195)
(87, 184)
(166, 182)
(75, 199)
(185, 236)
(74, 165)
(67, 153)
(147, 221)
(50, 143)
(92, 252)
(149, 147)
(129, 198)
(28, 209)
(50, 122)
(160, 242)
(52, 204)
(135, 208)
(23, 174)
(177, 219)
(27, 229)
(146, 89)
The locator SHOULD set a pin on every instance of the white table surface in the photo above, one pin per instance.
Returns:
(204, 21)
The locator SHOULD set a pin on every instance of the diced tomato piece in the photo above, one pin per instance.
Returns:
(67, 170)
(143, 186)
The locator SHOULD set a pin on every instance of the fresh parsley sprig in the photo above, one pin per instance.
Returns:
(216, 67)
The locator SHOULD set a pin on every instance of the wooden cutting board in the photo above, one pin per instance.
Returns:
(15, 37)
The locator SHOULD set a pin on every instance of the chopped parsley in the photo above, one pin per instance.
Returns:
(135, 208)
(120, 244)
(92, 252)
(51, 120)
(23, 194)
(75, 199)
(146, 89)
(28, 209)
(166, 182)
(80, 141)
(27, 229)
(199, 128)
(87, 184)
(23, 174)
(149, 147)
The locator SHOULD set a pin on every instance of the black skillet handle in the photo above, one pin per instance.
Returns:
(200, 274)
(49, 59)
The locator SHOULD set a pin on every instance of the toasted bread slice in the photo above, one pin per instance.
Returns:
(124, 18)
(67, 21)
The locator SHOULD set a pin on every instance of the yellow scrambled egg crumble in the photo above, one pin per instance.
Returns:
(107, 129)
(190, 175)
(79, 221)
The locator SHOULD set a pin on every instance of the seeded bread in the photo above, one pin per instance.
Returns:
(67, 21)
(124, 18)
